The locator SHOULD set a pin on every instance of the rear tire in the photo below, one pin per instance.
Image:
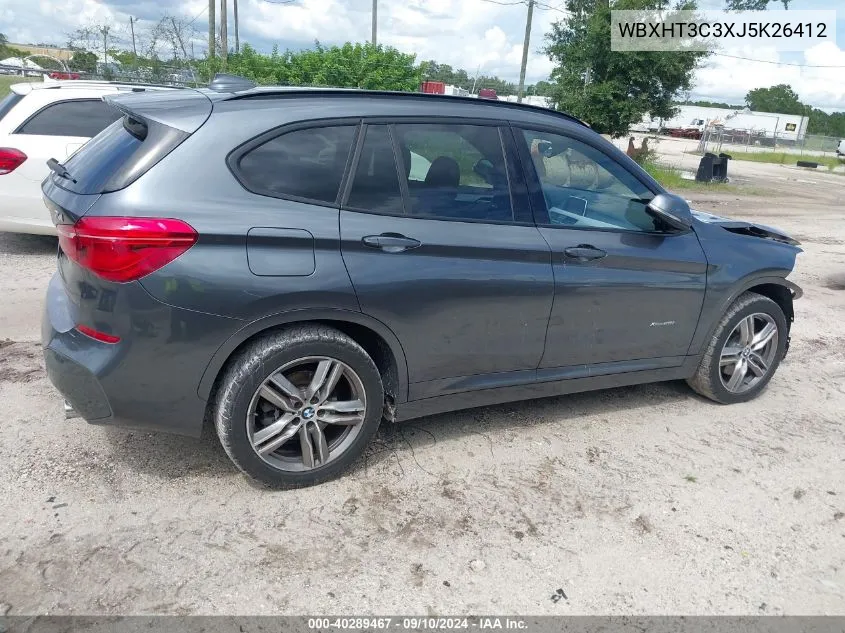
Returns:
(740, 360)
(298, 406)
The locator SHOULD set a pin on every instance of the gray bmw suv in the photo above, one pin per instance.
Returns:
(299, 265)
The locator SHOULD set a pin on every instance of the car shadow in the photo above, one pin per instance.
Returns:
(168, 456)
(24, 244)
(171, 457)
(403, 439)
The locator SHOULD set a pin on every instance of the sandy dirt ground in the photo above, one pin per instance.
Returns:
(644, 500)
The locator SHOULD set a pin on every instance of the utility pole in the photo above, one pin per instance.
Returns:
(375, 21)
(212, 29)
(224, 32)
(237, 39)
(525, 51)
(132, 28)
(105, 31)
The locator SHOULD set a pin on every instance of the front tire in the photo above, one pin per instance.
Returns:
(297, 406)
(744, 351)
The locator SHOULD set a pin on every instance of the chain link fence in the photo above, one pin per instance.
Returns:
(719, 139)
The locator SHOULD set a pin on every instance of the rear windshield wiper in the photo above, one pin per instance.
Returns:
(59, 169)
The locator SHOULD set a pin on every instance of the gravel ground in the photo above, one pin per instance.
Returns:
(645, 500)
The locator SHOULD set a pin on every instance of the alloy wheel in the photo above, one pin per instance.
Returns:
(749, 352)
(306, 414)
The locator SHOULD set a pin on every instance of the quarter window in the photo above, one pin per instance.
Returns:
(585, 188)
(307, 164)
(455, 172)
(85, 118)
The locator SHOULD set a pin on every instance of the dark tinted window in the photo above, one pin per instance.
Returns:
(72, 118)
(301, 164)
(585, 188)
(455, 171)
(376, 184)
(8, 102)
(120, 155)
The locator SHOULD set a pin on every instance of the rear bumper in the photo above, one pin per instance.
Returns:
(22, 209)
(148, 380)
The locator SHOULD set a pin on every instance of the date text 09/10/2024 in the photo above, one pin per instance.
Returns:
(417, 623)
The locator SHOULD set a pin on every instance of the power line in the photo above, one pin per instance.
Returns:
(768, 61)
(548, 7)
(197, 17)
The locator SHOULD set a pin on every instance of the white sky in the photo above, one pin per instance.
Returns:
(463, 33)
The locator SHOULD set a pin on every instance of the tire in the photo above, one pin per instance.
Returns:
(712, 380)
(293, 358)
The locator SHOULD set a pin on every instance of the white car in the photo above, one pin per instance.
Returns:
(39, 121)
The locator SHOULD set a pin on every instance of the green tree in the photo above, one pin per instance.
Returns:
(751, 5)
(83, 61)
(781, 98)
(348, 66)
(612, 90)
(542, 88)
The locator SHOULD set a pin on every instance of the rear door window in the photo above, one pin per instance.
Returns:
(376, 184)
(455, 172)
(306, 164)
(83, 118)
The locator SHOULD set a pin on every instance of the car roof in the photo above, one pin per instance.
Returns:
(27, 87)
(270, 92)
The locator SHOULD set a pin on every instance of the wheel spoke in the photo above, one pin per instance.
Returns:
(286, 388)
(307, 447)
(274, 435)
(762, 338)
(321, 446)
(757, 365)
(746, 330)
(325, 379)
(276, 399)
(346, 412)
(740, 369)
(730, 356)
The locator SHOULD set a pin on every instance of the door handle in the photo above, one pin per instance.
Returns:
(584, 252)
(391, 242)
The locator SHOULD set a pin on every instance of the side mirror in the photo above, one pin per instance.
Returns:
(672, 209)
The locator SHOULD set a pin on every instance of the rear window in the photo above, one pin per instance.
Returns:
(8, 102)
(118, 156)
(83, 118)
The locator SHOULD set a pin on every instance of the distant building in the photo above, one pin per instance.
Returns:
(786, 127)
(543, 102)
(63, 54)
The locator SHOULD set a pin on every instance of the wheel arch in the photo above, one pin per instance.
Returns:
(376, 338)
(778, 289)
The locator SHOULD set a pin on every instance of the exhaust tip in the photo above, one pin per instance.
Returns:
(70, 412)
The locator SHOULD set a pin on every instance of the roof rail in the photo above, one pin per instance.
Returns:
(224, 82)
(268, 92)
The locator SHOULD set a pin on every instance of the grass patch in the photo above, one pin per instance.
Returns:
(785, 158)
(671, 178)
(7, 80)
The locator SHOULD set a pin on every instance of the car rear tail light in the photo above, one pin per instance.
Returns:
(10, 159)
(97, 335)
(125, 249)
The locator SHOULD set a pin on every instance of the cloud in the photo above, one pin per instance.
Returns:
(729, 79)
